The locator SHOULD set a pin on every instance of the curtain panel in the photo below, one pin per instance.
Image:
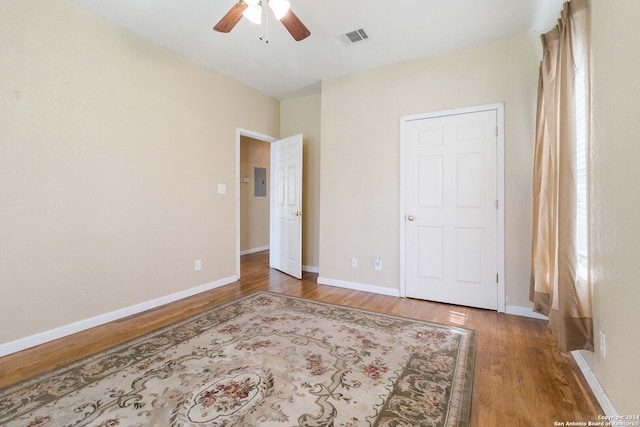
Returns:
(557, 289)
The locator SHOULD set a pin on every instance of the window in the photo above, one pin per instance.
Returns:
(582, 223)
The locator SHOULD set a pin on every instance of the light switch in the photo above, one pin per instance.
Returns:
(222, 188)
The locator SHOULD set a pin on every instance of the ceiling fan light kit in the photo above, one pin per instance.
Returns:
(252, 10)
(253, 13)
(279, 7)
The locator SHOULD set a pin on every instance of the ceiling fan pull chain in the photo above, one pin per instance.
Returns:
(266, 25)
(265, 18)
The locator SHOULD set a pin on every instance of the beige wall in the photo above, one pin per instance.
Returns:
(359, 203)
(111, 149)
(615, 201)
(254, 211)
(302, 115)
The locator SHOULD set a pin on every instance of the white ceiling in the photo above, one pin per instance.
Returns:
(399, 30)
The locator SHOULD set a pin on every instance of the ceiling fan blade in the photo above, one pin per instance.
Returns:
(295, 27)
(232, 17)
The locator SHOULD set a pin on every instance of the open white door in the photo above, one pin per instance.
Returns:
(285, 243)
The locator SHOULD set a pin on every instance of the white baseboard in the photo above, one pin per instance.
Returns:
(311, 268)
(524, 312)
(62, 331)
(254, 250)
(596, 387)
(359, 286)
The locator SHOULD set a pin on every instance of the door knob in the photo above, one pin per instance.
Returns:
(411, 217)
(297, 213)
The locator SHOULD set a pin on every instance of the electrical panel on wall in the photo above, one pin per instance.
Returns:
(260, 182)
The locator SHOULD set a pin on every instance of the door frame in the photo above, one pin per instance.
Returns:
(499, 109)
(240, 132)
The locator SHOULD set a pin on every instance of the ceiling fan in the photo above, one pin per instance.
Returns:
(252, 10)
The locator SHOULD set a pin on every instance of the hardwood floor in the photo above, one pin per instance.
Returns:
(521, 378)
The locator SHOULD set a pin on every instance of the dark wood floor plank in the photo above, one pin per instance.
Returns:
(521, 378)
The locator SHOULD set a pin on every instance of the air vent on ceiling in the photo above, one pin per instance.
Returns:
(353, 37)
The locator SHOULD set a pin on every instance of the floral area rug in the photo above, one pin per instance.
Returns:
(263, 360)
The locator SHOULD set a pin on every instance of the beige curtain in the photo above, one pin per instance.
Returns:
(557, 290)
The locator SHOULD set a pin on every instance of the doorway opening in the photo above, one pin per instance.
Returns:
(253, 154)
(254, 195)
(285, 201)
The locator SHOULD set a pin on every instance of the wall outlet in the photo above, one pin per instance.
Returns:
(198, 265)
(603, 345)
(354, 262)
(377, 264)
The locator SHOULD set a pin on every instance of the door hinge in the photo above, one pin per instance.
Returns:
(497, 281)
(497, 204)
(496, 130)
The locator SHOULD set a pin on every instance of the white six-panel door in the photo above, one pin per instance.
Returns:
(450, 204)
(285, 252)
